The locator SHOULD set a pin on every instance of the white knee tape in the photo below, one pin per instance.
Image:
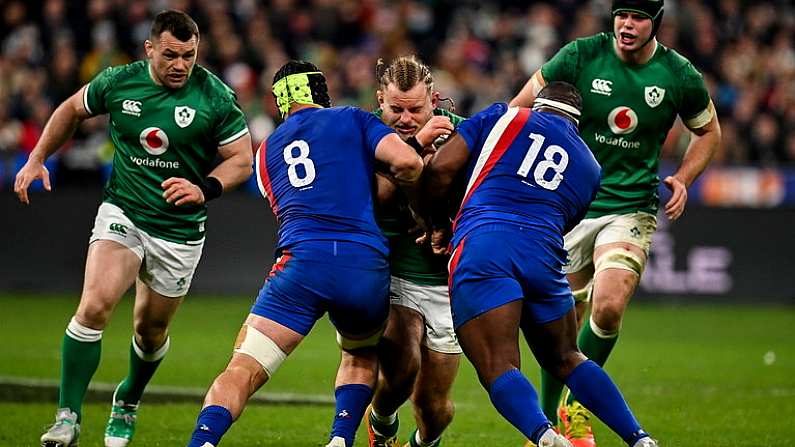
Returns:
(258, 346)
(82, 333)
(583, 295)
(349, 344)
(620, 259)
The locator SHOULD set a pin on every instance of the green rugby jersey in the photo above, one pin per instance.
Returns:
(159, 133)
(407, 260)
(627, 113)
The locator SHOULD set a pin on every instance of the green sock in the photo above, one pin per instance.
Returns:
(80, 353)
(596, 345)
(414, 440)
(142, 367)
(551, 389)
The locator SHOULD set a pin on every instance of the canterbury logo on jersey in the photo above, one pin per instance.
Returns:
(602, 87)
(131, 107)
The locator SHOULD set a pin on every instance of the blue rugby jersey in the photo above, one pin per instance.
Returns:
(316, 170)
(526, 168)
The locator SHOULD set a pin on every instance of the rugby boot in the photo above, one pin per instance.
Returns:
(121, 423)
(575, 423)
(646, 442)
(65, 432)
(530, 443)
(336, 441)
(379, 434)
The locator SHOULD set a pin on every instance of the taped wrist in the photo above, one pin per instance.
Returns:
(412, 141)
(212, 188)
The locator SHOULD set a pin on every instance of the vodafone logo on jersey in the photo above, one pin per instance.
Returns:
(622, 120)
(154, 140)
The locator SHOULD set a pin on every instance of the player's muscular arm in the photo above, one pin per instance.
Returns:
(236, 167)
(528, 94)
(405, 166)
(702, 148)
(60, 127)
(232, 171)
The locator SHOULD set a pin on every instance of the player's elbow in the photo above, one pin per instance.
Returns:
(408, 168)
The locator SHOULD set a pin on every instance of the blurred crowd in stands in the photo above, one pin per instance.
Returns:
(480, 51)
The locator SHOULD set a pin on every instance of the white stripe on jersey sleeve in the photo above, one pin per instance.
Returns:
(85, 99)
(491, 142)
(703, 118)
(233, 137)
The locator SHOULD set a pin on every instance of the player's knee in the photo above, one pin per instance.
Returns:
(261, 348)
(562, 364)
(606, 318)
(150, 335)
(94, 313)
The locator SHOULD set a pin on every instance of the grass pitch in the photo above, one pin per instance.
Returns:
(696, 376)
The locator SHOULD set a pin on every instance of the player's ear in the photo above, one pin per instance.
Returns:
(435, 98)
(380, 96)
(149, 48)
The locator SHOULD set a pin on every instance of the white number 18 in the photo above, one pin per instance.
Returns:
(546, 164)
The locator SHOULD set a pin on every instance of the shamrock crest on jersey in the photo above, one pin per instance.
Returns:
(183, 115)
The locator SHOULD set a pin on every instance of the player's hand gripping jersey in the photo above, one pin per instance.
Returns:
(526, 168)
(317, 172)
(627, 113)
(158, 133)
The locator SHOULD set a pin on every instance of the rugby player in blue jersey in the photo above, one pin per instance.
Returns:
(317, 172)
(530, 178)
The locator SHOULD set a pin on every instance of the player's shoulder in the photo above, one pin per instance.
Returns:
(679, 66)
(120, 73)
(212, 87)
(593, 46)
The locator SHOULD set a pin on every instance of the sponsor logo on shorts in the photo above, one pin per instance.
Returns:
(635, 232)
(118, 228)
(602, 87)
(131, 107)
(181, 283)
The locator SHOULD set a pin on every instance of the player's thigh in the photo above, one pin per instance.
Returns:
(624, 242)
(481, 278)
(579, 245)
(406, 325)
(168, 267)
(113, 260)
(432, 303)
(436, 376)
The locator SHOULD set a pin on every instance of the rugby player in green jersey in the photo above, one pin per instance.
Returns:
(169, 119)
(633, 89)
(419, 353)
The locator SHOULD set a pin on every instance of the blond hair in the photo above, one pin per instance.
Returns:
(405, 72)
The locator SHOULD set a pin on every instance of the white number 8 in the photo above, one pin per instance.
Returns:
(303, 160)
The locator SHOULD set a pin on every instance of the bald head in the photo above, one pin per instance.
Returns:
(561, 98)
